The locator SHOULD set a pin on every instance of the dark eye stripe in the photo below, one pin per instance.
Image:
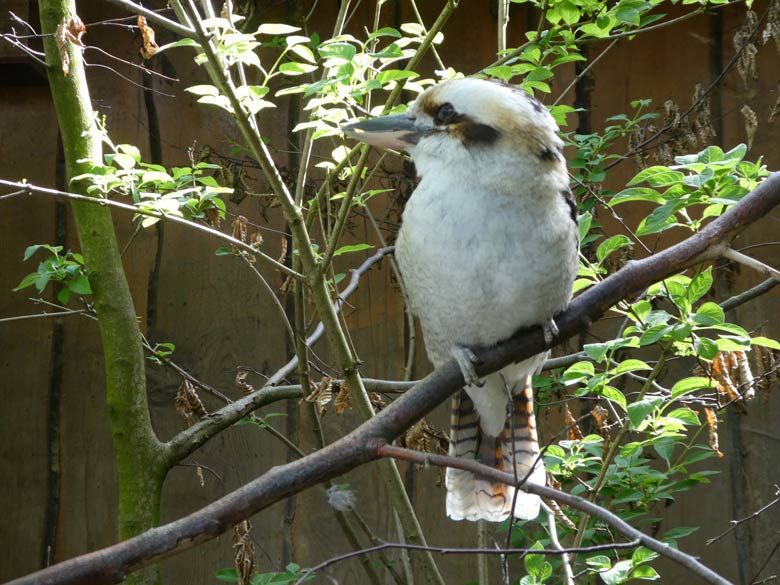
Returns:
(478, 134)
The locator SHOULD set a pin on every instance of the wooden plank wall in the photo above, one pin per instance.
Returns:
(219, 317)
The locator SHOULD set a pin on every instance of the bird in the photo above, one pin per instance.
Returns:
(488, 244)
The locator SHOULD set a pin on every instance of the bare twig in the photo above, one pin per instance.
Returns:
(155, 17)
(29, 188)
(745, 260)
(467, 551)
(736, 523)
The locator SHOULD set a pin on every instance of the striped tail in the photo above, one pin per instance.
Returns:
(515, 450)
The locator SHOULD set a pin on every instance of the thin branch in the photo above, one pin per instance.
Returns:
(556, 543)
(746, 260)
(354, 280)
(736, 523)
(155, 17)
(749, 295)
(29, 188)
(467, 551)
(575, 502)
(47, 315)
(191, 438)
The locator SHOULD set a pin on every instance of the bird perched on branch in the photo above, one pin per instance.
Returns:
(488, 245)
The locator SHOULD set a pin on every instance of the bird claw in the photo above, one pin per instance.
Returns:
(550, 330)
(466, 360)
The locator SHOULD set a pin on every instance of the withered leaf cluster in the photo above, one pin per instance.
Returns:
(188, 404)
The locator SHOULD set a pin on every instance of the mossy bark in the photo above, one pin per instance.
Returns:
(140, 460)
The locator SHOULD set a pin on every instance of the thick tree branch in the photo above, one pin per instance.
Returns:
(112, 564)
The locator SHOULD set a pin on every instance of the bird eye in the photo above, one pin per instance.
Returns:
(445, 114)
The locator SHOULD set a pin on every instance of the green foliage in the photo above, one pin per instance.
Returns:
(67, 269)
(186, 192)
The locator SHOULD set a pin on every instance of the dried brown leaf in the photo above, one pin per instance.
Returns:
(188, 404)
(424, 437)
(601, 416)
(712, 424)
(212, 217)
(322, 395)
(61, 40)
(342, 401)
(573, 429)
(283, 253)
(751, 123)
(245, 552)
(150, 46)
(377, 401)
(240, 382)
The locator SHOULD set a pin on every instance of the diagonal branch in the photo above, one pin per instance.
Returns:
(575, 502)
(112, 564)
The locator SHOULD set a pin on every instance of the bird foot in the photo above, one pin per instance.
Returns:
(466, 360)
(550, 330)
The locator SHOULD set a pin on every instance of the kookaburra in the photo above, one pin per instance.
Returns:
(488, 245)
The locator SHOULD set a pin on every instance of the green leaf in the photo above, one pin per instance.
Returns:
(293, 68)
(33, 249)
(662, 218)
(654, 333)
(584, 222)
(685, 416)
(28, 280)
(765, 342)
(80, 285)
(569, 12)
(709, 314)
(658, 176)
(617, 574)
(630, 365)
(276, 29)
(352, 248)
(534, 564)
(614, 395)
(223, 251)
(700, 285)
(125, 161)
(705, 348)
(599, 562)
(394, 75)
(64, 296)
(637, 194)
(203, 90)
(230, 575)
(638, 411)
(611, 245)
(645, 573)
(304, 53)
(687, 385)
(187, 42)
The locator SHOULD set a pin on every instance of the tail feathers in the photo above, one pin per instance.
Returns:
(515, 450)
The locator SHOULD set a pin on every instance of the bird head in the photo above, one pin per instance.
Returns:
(465, 120)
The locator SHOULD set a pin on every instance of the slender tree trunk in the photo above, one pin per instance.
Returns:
(140, 457)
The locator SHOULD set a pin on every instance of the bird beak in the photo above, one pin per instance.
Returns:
(397, 132)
